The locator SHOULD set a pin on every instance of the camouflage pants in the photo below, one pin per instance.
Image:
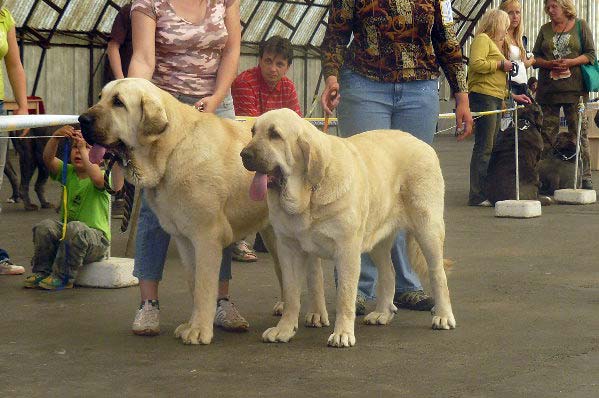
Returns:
(551, 129)
(82, 245)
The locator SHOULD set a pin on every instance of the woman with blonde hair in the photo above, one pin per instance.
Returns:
(487, 86)
(562, 46)
(514, 45)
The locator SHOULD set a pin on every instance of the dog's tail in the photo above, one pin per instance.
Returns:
(417, 259)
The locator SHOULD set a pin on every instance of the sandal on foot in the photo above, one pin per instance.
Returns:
(243, 253)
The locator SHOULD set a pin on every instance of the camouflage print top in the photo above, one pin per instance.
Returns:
(394, 41)
(187, 54)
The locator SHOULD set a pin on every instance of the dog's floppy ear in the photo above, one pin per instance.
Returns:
(154, 120)
(313, 159)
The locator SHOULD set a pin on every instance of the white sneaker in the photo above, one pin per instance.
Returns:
(8, 268)
(147, 320)
(228, 317)
(485, 203)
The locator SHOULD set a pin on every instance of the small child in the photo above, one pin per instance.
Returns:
(56, 262)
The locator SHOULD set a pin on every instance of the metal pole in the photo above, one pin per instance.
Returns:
(580, 116)
(516, 151)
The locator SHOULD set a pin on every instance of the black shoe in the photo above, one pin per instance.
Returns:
(259, 245)
(587, 184)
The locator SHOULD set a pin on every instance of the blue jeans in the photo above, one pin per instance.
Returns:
(151, 242)
(3, 146)
(368, 105)
(3, 255)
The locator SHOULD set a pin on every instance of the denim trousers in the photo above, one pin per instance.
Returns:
(368, 105)
(485, 132)
(3, 147)
(151, 242)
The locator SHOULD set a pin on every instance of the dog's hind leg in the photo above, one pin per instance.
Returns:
(316, 315)
(42, 178)
(269, 239)
(429, 233)
(207, 259)
(11, 174)
(348, 274)
(385, 288)
(293, 274)
(27, 168)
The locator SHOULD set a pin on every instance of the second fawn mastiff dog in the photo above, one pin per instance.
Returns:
(336, 198)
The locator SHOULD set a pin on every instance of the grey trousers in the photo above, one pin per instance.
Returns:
(82, 245)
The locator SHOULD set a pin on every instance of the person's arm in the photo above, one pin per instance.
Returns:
(114, 58)
(245, 100)
(143, 61)
(479, 54)
(49, 155)
(449, 55)
(117, 178)
(293, 101)
(333, 48)
(16, 73)
(227, 69)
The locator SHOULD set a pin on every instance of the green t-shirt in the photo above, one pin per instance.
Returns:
(6, 23)
(552, 45)
(85, 202)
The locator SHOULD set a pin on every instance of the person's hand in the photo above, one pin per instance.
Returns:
(563, 64)
(521, 98)
(21, 111)
(65, 131)
(207, 104)
(507, 65)
(463, 117)
(330, 96)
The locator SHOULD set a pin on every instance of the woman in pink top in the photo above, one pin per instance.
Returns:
(191, 49)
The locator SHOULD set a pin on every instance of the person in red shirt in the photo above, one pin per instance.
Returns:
(265, 87)
(259, 90)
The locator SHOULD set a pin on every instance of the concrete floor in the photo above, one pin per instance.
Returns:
(525, 294)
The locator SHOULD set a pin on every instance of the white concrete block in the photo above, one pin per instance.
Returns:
(575, 196)
(113, 272)
(518, 208)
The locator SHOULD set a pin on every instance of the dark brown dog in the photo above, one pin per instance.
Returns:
(556, 169)
(30, 153)
(501, 175)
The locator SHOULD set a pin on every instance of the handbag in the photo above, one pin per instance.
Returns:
(590, 72)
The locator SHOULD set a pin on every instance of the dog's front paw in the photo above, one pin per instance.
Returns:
(342, 339)
(193, 334)
(444, 322)
(277, 310)
(278, 334)
(316, 319)
(378, 318)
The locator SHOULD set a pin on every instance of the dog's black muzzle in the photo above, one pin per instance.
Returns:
(87, 127)
(248, 158)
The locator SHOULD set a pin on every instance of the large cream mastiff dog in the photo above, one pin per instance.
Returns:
(337, 198)
(188, 164)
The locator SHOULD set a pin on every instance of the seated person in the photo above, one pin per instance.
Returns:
(56, 262)
(259, 90)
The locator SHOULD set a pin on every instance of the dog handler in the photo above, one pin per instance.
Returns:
(387, 79)
(181, 47)
(9, 52)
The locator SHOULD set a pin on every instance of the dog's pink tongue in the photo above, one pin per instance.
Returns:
(258, 187)
(96, 154)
